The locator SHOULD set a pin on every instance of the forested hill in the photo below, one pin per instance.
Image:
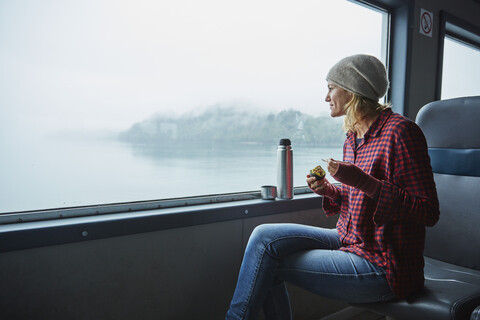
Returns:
(219, 124)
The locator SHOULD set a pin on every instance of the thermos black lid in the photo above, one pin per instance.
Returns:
(285, 142)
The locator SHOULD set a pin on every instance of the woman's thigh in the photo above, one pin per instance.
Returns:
(336, 274)
(283, 239)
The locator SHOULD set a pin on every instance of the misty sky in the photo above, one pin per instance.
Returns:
(105, 64)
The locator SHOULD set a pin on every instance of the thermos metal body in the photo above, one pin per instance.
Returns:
(284, 170)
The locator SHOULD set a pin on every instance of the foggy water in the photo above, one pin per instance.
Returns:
(52, 173)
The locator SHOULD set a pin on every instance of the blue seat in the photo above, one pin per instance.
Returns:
(452, 247)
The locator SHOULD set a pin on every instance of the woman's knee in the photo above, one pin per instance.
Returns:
(262, 232)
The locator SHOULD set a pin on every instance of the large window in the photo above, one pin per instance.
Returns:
(107, 101)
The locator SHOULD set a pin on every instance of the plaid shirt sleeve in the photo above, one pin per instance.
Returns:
(390, 231)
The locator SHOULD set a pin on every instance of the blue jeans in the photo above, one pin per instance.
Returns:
(308, 258)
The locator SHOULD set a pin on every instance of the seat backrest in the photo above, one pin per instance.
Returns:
(452, 130)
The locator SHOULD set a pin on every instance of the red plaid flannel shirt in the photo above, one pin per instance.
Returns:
(389, 231)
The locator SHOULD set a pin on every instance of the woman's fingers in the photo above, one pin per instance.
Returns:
(332, 166)
(315, 184)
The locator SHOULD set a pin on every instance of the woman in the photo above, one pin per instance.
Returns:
(386, 198)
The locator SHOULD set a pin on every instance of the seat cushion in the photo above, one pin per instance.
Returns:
(450, 292)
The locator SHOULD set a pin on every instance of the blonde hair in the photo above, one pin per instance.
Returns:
(359, 108)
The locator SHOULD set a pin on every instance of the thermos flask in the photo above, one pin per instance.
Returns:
(284, 170)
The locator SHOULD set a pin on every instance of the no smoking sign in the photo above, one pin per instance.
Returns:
(426, 22)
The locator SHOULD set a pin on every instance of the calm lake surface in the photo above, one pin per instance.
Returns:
(45, 173)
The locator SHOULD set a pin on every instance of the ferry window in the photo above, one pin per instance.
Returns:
(461, 63)
(107, 101)
(460, 47)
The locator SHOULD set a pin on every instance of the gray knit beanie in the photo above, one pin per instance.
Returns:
(361, 74)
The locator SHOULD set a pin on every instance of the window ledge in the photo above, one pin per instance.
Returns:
(16, 236)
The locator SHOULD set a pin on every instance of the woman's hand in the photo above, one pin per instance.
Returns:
(315, 184)
(332, 166)
(351, 175)
(322, 187)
